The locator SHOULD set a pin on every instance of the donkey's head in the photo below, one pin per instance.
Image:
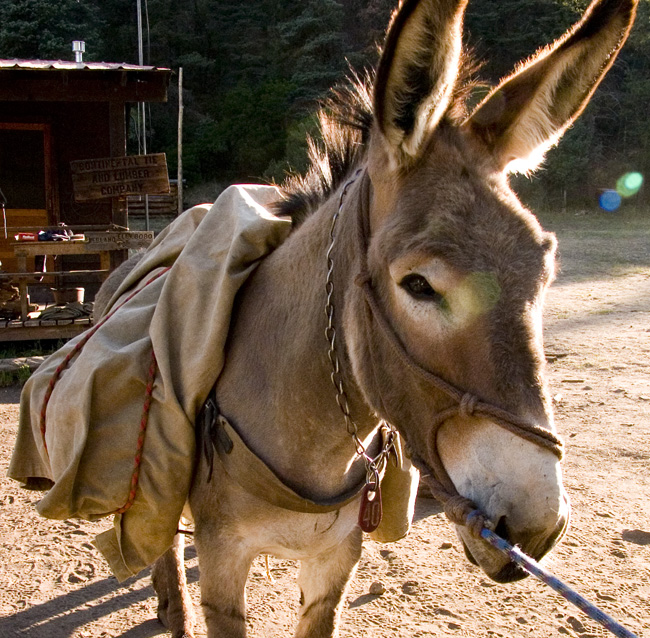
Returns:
(459, 267)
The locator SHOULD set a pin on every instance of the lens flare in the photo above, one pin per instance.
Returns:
(629, 184)
(609, 200)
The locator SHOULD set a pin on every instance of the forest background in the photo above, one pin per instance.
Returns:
(254, 71)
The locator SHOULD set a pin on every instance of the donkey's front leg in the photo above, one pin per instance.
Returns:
(322, 581)
(175, 608)
(224, 563)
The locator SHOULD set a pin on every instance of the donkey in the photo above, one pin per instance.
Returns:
(433, 276)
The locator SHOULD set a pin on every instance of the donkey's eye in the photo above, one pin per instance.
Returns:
(419, 287)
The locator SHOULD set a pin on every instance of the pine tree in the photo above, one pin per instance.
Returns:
(315, 46)
(254, 70)
(44, 29)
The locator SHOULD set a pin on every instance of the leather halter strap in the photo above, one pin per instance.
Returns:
(218, 437)
(459, 509)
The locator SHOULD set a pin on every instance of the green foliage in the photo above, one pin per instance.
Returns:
(502, 32)
(313, 42)
(611, 137)
(7, 379)
(23, 374)
(254, 71)
(11, 350)
(19, 349)
(45, 29)
(18, 376)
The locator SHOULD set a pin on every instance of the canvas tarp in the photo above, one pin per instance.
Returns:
(94, 414)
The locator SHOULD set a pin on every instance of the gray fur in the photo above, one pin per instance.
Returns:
(441, 210)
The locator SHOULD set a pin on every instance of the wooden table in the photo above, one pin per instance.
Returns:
(24, 250)
(96, 243)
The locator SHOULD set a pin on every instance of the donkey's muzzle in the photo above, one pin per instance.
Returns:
(537, 547)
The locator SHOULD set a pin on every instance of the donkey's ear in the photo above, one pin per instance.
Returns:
(530, 110)
(417, 72)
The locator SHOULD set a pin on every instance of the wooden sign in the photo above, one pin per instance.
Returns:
(118, 240)
(119, 176)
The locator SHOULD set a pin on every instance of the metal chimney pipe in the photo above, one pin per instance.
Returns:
(79, 48)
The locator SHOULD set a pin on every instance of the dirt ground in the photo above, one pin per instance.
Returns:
(53, 583)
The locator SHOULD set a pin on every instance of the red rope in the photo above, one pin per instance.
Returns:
(144, 421)
(143, 431)
(78, 347)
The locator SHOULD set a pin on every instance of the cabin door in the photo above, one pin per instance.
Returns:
(26, 184)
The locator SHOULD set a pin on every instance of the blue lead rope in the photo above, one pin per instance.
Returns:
(535, 569)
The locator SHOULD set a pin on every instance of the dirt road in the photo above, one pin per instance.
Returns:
(54, 584)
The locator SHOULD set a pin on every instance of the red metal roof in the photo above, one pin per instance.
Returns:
(67, 65)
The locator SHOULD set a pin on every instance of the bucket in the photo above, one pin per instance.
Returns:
(63, 296)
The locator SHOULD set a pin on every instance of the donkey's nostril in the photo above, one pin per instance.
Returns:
(502, 528)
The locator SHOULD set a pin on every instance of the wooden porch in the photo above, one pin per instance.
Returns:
(54, 114)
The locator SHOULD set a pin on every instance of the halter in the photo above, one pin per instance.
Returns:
(459, 509)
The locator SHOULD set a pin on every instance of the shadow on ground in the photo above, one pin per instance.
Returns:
(63, 616)
(425, 507)
(10, 394)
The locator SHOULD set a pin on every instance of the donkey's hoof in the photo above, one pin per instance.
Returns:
(162, 617)
(187, 631)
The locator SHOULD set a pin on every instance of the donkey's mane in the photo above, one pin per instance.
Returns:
(344, 122)
(345, 119)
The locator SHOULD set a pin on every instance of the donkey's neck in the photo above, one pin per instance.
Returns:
(276, 385)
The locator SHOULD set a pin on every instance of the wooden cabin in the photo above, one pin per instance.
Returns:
(51, 114)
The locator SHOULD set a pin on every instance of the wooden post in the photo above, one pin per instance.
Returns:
(21, 258)
(117, 134)
(180, 140)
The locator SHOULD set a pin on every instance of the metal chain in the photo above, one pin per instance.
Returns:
(374, 465)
